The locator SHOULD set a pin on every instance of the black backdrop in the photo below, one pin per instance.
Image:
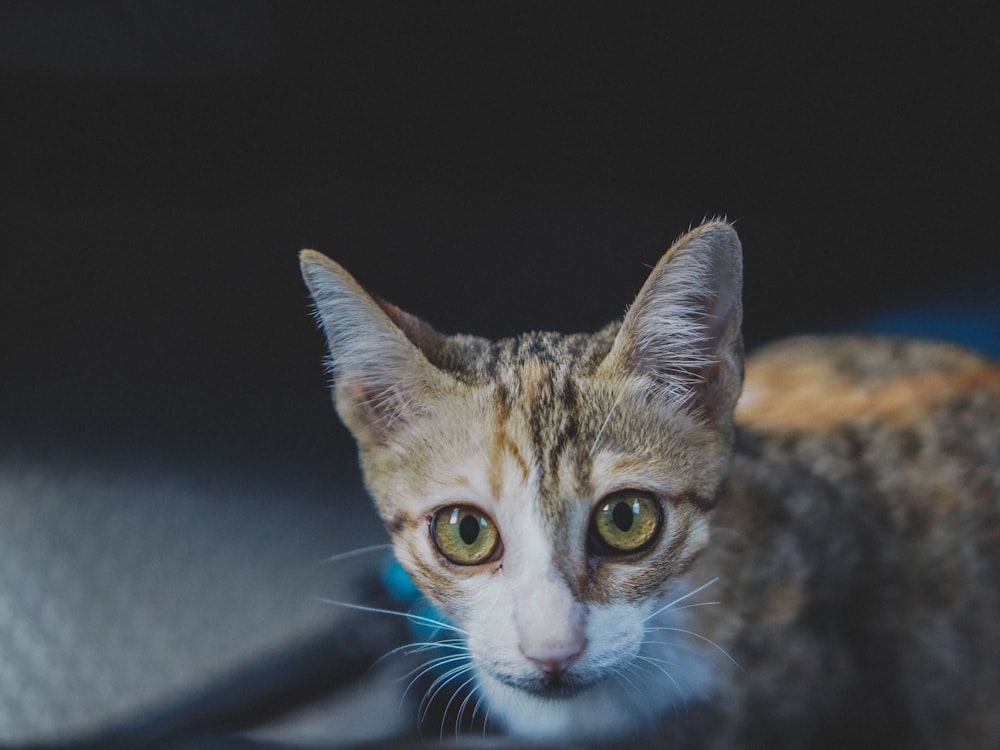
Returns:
(490, 166)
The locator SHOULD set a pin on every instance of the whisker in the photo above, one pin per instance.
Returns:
(437, 661)
(422, 670)
(408, 615)
(408, 649)
(709, 641)
(479, 703)
(658, 664)
(672, 644)
(692, 605)
(679, 599)
(436, 664)
(627, 682)
(357, 552)
(666, 643)
(438, 685)
(428, 697)
(456, 652)
(461, 708)
(430, 666)
(455, 644)
(633, 694)
(448, 675)
(447, 707)
(486, 715)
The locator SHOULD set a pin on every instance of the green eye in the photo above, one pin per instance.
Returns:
(464, 535)
(626, 521)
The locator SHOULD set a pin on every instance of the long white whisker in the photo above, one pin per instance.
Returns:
(356, 552)
(692, 605)
(623, 677)
(621, 683)
(422, 670)
(443, 679)
(444, 714)
(674, 644)
(408, 615)
(658, 664)
(456, 661)
(666, 643)
(455, 644)
(679, 599)
(439, 684)
(709, 641)
(486, 715)
(430, 666)
(465, 703)
(632, 691)
(408, 649)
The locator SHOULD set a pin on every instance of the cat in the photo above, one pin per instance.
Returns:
(628, 548)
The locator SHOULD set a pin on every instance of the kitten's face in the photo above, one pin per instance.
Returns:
(547, 543)
(546, 491)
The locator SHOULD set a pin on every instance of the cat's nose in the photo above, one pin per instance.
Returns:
(555, 658)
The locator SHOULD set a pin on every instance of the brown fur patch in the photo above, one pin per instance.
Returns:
(503, 446)
(400, 521)
(808, 396)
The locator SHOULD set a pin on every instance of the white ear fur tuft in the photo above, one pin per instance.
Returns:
(377, 372)
(683, 329)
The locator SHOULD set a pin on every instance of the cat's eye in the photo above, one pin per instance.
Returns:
(464, 535)
(626, 521)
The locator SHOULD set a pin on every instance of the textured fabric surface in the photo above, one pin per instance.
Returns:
(121, 590)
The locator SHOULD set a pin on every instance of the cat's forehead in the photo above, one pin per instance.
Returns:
(529, 355)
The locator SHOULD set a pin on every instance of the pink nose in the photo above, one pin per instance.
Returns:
(555, 658)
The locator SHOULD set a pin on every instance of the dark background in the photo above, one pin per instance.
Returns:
(491, 167)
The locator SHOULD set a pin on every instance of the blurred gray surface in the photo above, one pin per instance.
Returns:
(373, 707)
(124, 588)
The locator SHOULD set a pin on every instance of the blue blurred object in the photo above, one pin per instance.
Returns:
(398, 582)
(404, 592)
(972, 322)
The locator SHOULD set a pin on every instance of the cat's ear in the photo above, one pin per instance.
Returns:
(683, 330)
(380, 374)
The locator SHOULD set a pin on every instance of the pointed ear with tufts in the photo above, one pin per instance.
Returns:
(683, 330)
(380, 377)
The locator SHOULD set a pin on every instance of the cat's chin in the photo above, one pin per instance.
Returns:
(570, 707)
(559, 687)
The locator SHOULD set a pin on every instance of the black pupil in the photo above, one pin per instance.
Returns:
(468, 529)
(621, 515)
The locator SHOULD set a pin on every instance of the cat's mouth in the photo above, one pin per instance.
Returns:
(555, 686)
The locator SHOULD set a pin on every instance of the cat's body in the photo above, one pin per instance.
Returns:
(857, 544)
(576, 503)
